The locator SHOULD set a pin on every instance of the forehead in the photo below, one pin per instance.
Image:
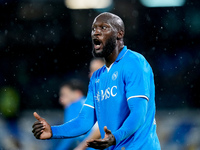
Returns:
(103, 19)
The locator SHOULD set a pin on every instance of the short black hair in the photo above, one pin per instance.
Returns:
(75, 84)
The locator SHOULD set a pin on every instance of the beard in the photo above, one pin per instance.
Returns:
(107, 49)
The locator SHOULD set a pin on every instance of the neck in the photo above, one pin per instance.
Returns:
(113, 56)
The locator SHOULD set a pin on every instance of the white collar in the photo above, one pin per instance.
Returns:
(108, 68)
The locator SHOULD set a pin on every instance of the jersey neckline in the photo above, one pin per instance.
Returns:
(119, 57)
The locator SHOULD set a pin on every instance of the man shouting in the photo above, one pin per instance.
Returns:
(121, 96)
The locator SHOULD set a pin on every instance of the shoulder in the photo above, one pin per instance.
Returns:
(135, 56)
(134, 59)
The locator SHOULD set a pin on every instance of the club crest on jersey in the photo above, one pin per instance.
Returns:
(97, 80)
(115, 75)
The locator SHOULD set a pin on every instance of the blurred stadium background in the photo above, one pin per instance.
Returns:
(44, 42)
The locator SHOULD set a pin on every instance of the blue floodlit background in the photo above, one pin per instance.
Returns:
(45, 42)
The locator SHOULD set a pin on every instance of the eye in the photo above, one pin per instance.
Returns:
(104, 27)
(93, 29)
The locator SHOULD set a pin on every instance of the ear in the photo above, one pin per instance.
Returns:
(120, 35)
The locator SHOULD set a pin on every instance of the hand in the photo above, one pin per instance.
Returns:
(41, 129)
(107, 141)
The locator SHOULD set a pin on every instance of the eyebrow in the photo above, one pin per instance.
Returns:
(102, 23)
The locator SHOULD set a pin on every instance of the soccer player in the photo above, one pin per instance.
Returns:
(121, 96)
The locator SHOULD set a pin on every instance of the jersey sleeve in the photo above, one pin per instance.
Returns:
(138, 110)
(81, 124)
(77, 126)
(137, 78)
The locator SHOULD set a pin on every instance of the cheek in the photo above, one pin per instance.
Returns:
(106, 37)
(61, 101)
(64, 99)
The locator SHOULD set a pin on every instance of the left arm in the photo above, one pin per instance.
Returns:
(137, 79)
(138, 110)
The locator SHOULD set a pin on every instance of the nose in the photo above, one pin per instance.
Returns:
(96, 32)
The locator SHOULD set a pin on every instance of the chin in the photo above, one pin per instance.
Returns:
(97, 53)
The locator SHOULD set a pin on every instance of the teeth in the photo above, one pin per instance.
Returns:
(97, 46)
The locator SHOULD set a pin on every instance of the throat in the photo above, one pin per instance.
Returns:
(108, 64)
(109, 67)
(113, 56)
(110, 59)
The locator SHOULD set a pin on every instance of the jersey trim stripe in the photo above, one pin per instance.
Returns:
(124, 54)
(142, 96)
(89, 106)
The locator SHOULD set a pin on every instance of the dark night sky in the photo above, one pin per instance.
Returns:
(44, 43)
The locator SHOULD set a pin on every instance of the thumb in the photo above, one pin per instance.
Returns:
(37, 116)
(106, 130)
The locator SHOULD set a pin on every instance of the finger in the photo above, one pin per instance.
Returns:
(106, 130)
(38, 129)
(88, 141)
(98, 145)
(86, 144)
(37, 123)
(37, 117)
(92, 144)
(37, 126)
(100, 141)
(37, 134)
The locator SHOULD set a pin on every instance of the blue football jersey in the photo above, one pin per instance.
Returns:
(129, 77)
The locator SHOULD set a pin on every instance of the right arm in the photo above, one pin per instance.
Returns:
(76, 127)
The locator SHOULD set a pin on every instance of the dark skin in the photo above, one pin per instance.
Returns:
(106, 142)
(105, 26)
(41, 129)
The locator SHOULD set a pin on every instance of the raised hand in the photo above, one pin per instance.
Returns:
(107, 141)
(41, 129)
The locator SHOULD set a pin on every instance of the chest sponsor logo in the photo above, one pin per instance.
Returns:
(106, 94)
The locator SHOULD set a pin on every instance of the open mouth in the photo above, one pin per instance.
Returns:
(97, 44)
